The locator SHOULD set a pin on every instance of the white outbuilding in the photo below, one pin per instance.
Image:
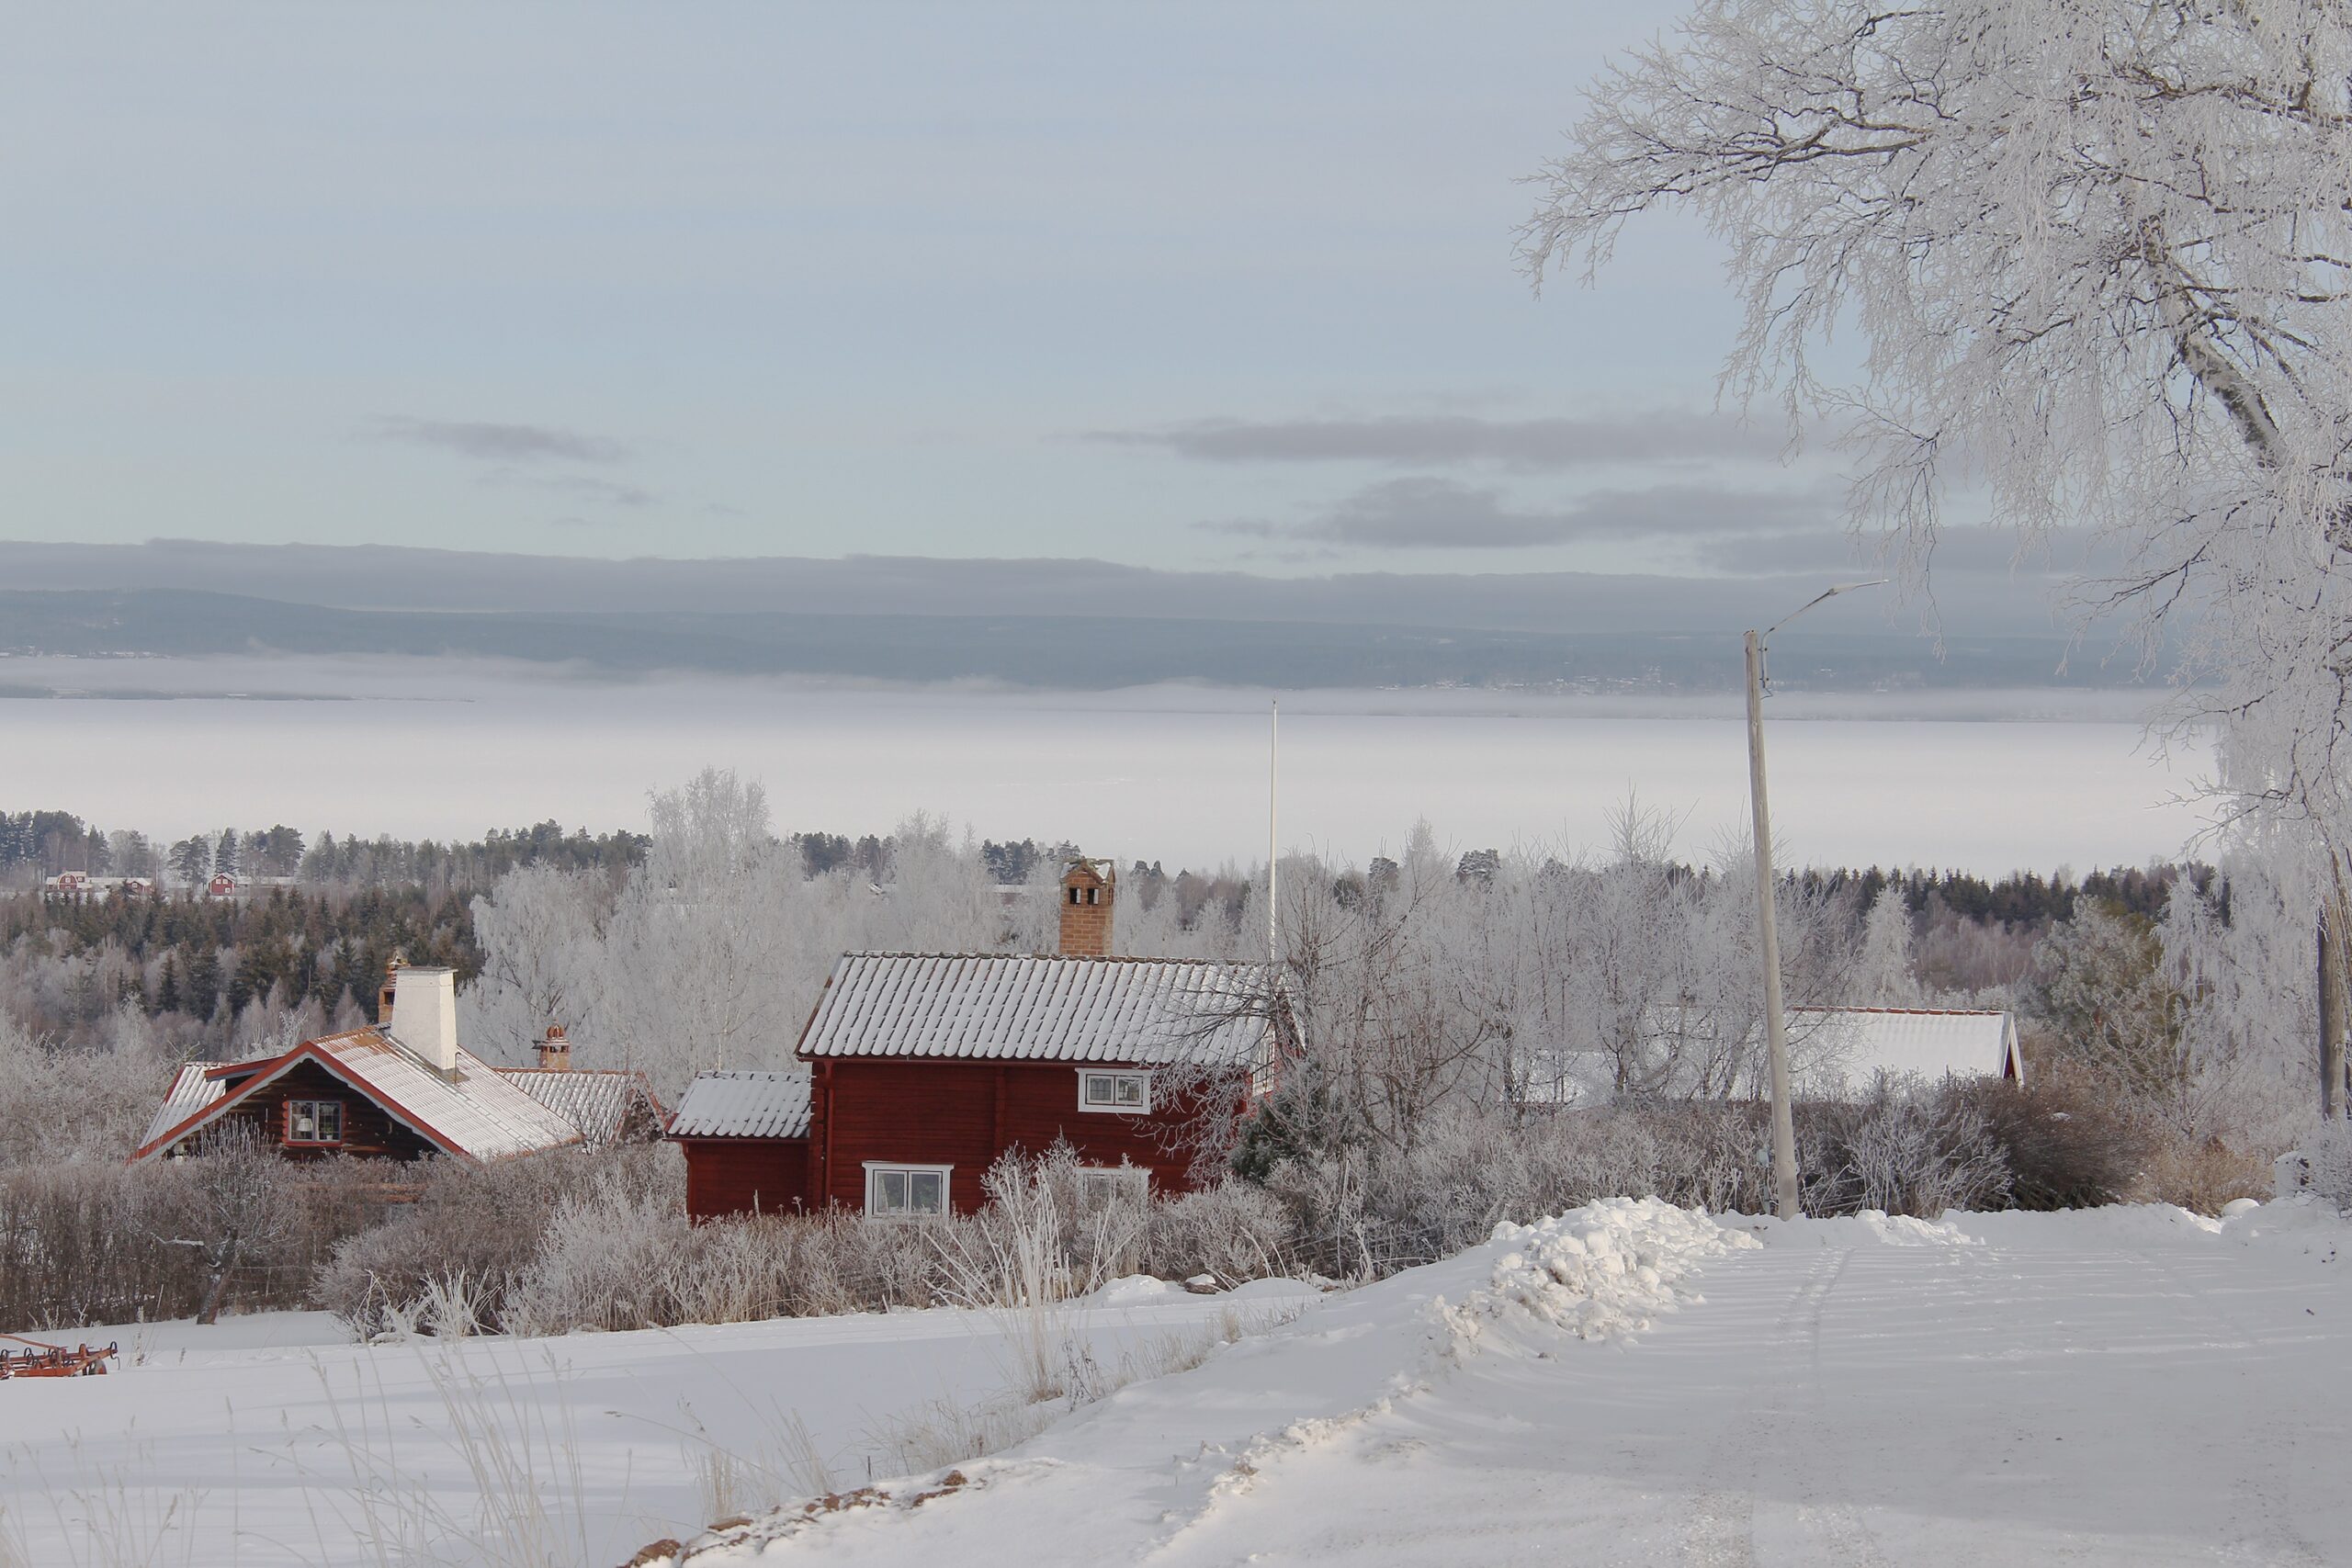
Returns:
(1853, 1045)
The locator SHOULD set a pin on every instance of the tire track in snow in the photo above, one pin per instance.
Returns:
(1775, 1435)
(1721, 1532)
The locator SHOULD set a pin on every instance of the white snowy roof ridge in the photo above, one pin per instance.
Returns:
(1041, 1007)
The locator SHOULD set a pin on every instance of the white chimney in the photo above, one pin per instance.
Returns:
(424, 1015)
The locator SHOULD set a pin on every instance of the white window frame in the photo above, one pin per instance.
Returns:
(1119, 1078)
(316, 1106)
(1103, 1184)
(875, 1169)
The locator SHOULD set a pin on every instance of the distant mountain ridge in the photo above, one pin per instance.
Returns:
(1084, 650)
(1969, 602)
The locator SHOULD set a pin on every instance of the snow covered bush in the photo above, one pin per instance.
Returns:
(1044, 1235)
(479, 1223)
(1233, 1232)
(96, 1241)
(2328, 1146)
(1907, 1149)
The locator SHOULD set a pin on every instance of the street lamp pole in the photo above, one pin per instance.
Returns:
(1776, 1028)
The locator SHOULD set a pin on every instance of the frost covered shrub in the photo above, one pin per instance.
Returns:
(2065, 1148)
(90, 1243)
(1904, 1149)
(2328, 1146)
(1233, 1232)
(615, 1255)
(59, 1102)
(1042, 1236)
(100, 1242)
(477, 1224)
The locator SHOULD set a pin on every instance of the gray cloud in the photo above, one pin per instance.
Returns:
(1423, 512)
(1661, 435)
(502, 443)
(581, 487)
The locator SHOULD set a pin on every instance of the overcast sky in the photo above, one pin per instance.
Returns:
(1190, 286)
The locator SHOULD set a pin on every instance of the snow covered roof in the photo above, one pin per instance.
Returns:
(743, 1105)
(601, 1103)
(1038, 1008)
(472, 1111)
(1857, 1044)
(190, 1092)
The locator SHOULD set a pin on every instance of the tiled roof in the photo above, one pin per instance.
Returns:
(190, 1092)
(473, 1112)
(1040, 1008)
(600, 1102)
(1861, 1042)
(743, 1105)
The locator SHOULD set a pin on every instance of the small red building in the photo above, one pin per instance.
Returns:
(924, 1068)
(746, 1142)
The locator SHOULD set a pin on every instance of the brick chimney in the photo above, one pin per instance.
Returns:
(1088, 888)
(555, 1051)
(384, 994)
(424, 1016)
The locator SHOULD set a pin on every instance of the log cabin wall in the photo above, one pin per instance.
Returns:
(368, 1131)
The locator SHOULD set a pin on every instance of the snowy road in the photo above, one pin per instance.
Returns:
(2131, 1387)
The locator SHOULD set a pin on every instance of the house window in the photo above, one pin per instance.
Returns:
(314, 1121)
(906, 1191)
(1129, 1092)
(1103, 1185)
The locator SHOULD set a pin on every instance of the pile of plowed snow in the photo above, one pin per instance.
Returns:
(1604, 1271)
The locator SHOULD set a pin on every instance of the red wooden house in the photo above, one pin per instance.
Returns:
(924, 1068)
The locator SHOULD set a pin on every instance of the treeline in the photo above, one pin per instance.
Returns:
(203, 958)
(2025, 899)
(39, 844)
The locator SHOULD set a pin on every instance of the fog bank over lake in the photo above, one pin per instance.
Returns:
(1988, 781)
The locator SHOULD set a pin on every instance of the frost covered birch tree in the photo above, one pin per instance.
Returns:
(2100, 255)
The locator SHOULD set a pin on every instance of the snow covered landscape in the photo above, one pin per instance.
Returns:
(1038, 785)
(1628, 1382)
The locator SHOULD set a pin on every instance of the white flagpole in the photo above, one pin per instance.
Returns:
(1273, 806)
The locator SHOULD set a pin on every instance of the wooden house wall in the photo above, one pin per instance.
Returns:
(744, 1176)
(966, 1114)
(368, 1131)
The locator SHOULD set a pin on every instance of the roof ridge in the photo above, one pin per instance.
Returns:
(1057, 957)
(1924, 1012)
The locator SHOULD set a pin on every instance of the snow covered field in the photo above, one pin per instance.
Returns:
(264, 1441)
(2126, 1387)
(1631, 1383)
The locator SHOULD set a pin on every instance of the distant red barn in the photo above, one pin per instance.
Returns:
(924, 1068)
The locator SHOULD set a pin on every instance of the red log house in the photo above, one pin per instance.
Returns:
(403, 1088)
(919, 1070)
